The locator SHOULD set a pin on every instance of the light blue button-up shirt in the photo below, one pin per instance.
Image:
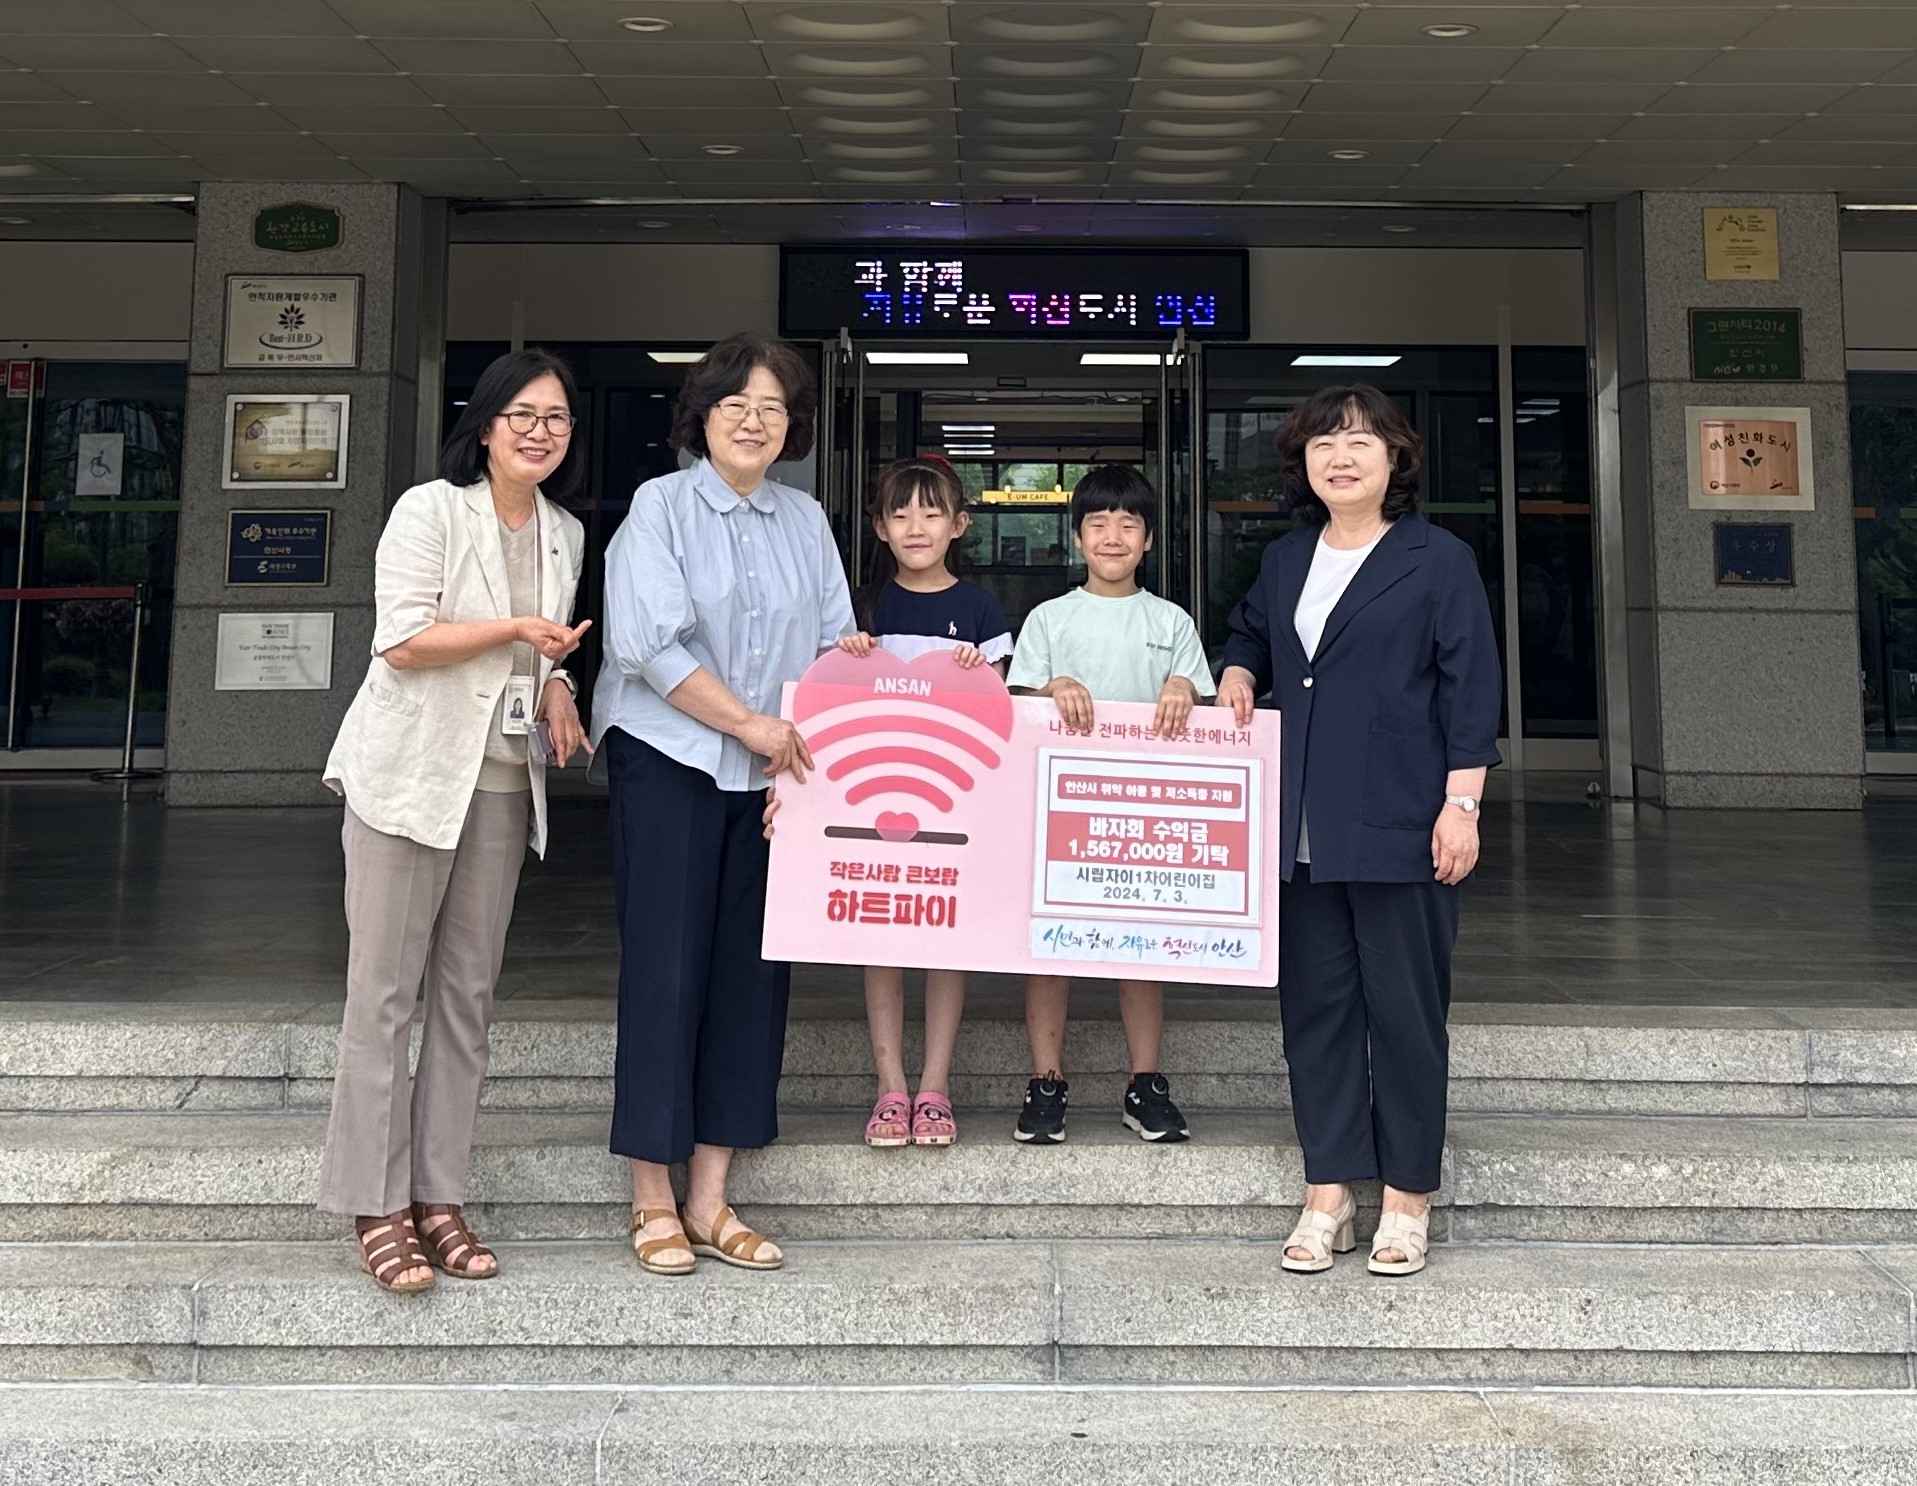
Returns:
(751, 589)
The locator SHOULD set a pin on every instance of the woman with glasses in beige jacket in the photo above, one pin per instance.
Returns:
(442, 760)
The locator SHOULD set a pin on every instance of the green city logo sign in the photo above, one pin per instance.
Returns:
(297, 227)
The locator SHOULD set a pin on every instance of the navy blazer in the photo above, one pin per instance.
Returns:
(1406, 686)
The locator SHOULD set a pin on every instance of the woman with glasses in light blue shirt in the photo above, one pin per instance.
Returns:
(721, 586)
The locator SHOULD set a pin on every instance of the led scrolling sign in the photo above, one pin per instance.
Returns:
(961, 293)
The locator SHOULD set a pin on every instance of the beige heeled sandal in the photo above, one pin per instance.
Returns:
(1408, 1235)
(1321, 1234)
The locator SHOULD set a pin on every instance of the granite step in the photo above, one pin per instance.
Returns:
(1198, 1311)
(1054, 1436)
(1582, 1179)
(1223, 1048)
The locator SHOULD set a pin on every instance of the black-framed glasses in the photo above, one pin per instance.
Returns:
(558, 425)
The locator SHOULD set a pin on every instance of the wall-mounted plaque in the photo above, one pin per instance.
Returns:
(297, 227)
(274, 652)
(1747, 346)
(1754, 554)
(292, 441)
(1749, 459)
(282, 549)
(283, 321)
(1740, 242)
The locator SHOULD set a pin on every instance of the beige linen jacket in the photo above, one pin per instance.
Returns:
(407, 756)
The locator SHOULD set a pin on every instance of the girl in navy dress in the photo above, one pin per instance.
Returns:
(914, 606)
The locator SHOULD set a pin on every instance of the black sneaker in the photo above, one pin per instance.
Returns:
(1042, 1121)
(1149, 1109)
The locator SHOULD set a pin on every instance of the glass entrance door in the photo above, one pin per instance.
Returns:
(89, 509)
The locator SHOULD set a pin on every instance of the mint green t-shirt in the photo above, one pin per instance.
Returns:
(1120, 650)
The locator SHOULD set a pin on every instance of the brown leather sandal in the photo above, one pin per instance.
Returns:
(389, 1246)
(742, 1250)
(678, 1257)
(454, 1247)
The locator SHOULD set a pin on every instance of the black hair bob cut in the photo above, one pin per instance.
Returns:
(462, 458)
(723, 374)
(1115, 487)
(1358, 406)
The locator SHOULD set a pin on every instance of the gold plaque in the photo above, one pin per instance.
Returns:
(294, 440)
(1740, 242)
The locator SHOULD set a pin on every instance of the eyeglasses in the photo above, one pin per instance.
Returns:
(558, 425)
(735, 409)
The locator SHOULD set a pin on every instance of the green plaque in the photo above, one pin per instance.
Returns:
(1747, 346)
(297, 227)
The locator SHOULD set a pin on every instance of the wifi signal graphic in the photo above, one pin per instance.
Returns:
(901, 737)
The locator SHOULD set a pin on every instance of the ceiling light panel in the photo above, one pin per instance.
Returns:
(857, 93)
(880, 124)
(1027, 126)
(861, 63)
(843, 23)
(1258, 64)
(1238, 98)
(1052, 25)
(1249, 26)
(1198, 128)
(1045, 64)
(1010, 95)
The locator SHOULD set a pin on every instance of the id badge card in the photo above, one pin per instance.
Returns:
(517, 718)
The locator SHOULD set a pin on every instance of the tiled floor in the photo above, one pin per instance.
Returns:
(1574, 902)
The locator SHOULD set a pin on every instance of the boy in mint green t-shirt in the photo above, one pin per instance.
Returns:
(1109, 641)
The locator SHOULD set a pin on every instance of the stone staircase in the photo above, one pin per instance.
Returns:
(1674, 1246)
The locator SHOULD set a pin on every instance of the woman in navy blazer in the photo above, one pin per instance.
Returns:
(1371, 630)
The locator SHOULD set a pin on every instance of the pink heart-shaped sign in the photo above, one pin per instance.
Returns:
(896, 825)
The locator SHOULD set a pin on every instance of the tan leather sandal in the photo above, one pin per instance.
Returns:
(742, 1250)
(668, 1255)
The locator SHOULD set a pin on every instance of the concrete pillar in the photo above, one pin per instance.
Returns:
(267, 747)
(1740, 697)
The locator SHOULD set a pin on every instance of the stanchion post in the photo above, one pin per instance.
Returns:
(126, 769)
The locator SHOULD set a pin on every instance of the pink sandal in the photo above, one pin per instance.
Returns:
(932, 1122)
(888, 1125)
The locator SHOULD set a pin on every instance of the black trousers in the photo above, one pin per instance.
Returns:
(701, 1016)
(1364, 986)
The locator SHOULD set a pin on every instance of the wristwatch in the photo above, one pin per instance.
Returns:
(564, 678)
(1464, 802)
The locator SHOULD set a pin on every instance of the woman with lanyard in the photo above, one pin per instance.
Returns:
(473, 586)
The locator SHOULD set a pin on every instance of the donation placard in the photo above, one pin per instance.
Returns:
(950, 825)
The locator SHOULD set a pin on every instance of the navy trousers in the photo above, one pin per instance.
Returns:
(701, 1016)
(1364, 986)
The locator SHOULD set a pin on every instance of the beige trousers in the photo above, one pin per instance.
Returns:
(413, 913)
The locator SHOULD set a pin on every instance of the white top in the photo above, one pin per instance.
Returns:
(1332, 570)
(1120, 650)
(408, 753)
